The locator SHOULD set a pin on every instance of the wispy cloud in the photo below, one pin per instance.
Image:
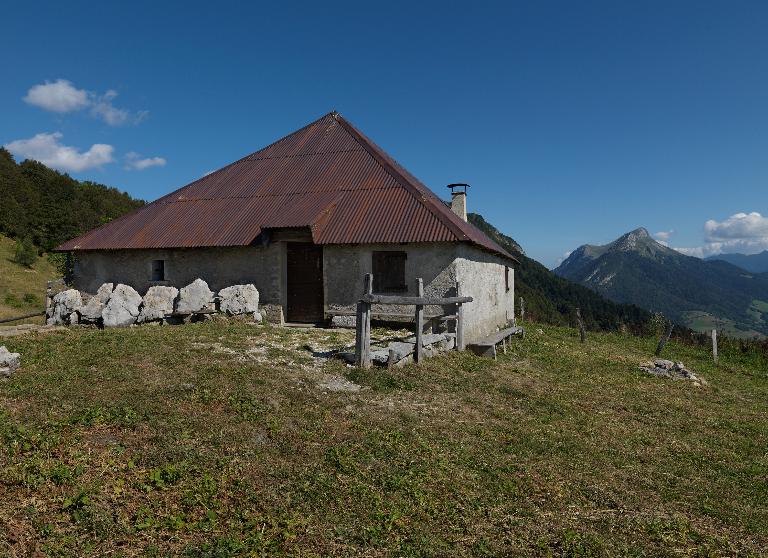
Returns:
(663, 236)
(741, 232)
(47, 149)
(134, 161)
(62, 96)
(564, 257)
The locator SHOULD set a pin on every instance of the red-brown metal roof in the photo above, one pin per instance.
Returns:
(327, 176)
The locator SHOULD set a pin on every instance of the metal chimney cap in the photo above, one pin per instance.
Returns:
(463, 188)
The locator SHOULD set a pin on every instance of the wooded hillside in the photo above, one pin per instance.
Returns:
(553, 300)
(50, 207)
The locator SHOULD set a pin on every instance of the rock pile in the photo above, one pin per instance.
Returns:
(672, 370)
(121, 305)
(9, 362)
(403, 349)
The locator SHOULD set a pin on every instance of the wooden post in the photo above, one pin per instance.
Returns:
(460, 346)
(391, 358)
(359, 334)
(48, 297)
(522, 309)
(582, 334)
(363, 327)
(664, 339)
(419, 352)
(714, 345)
(367, 323)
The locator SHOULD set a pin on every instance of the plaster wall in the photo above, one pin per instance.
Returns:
(219, 267)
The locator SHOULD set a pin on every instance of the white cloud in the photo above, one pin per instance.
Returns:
(745, 233)
(59, 96)
(134, 161)
(564, 257)
(62, 96)
(47, 149)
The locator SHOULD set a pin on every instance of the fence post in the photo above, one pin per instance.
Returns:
(363, 327)
(522, 309)
(48, 297)
(714, 345)
(664, 339)
(419, 353)
(459, 321)
(582, 334)
(367, 322)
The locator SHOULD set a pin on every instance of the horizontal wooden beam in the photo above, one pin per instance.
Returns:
(416, 300)
(7, 320)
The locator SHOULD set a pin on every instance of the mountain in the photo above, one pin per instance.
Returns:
(552, 299)
(697, 293)
(50, 207)
(754, 263)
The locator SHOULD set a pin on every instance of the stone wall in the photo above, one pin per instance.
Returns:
(345, 265)
(439, 264)
(482, 276)
(221, 267)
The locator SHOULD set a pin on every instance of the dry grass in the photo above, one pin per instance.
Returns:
(22, 289)
(215, 439)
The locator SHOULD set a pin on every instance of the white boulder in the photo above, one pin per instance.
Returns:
(64, 305)
(92, 310)
(158, 303)
(195, 297)
(122, 308)
(239, 299)
(9, 362)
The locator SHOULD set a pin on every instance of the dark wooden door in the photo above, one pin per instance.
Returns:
(305, 282)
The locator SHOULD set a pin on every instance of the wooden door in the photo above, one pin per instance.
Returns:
(305, 282)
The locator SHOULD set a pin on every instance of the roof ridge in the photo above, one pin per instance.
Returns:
(244, 158)
(381, 158)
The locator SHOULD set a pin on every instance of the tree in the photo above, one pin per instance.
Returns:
(26, 253)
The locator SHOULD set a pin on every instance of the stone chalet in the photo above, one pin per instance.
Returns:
(304, 219)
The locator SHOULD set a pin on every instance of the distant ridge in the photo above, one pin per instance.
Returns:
(552, 299)
(701, 294)
(755, 263)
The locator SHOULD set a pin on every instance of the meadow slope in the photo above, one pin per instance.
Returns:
(22, 289)
(219, 439)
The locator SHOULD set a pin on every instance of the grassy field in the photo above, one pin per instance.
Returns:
(704, 322)
(218, 439)
(22, 290)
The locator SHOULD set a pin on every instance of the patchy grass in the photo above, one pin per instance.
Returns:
(213, 439)
(22, 289)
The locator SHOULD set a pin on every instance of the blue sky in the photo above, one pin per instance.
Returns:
(574, 122)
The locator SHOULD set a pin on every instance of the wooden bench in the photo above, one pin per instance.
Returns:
(487, 346)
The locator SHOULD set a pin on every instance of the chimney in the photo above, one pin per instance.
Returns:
(459, 199)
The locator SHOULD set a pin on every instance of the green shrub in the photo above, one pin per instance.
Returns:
(26, 253)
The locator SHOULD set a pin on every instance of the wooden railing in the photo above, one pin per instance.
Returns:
(363, 325)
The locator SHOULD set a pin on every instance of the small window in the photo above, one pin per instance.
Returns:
(389, 272)
(158, 270)
(506, 278)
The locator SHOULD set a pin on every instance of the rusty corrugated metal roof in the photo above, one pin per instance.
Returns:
(327, 176)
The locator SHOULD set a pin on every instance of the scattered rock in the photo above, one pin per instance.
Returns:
(122, 308)
(239, 299)
(337, 384)
(195, 297)
(344, 321)
(64, 305)
(257, 317)
(9, 362)
(673, 370)
(157, 303)
(91, 312)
